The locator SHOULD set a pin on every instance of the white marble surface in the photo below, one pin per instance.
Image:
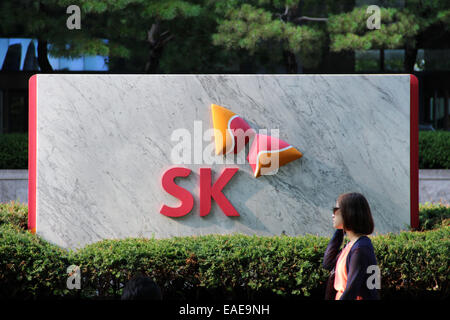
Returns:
(434, 186)
(104, 142)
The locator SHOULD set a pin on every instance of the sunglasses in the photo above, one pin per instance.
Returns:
(335, 209)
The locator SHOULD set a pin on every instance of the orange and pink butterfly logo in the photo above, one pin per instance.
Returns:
(266, 154)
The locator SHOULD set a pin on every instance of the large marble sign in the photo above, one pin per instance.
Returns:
(100, 145)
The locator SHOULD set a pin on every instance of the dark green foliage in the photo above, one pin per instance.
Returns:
(208, 267)
(213, 267)
(432, 216)
(30, 267)
(294, 32)
(402, 25)
(121, 22)
(13, 151)
(349, 30)
(414, 264)
(434, 149)
(14, 214)
(259, 26)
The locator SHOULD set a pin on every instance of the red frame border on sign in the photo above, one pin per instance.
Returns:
(32, 150)
(414, 152)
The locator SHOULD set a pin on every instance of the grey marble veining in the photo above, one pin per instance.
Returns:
(105, 140)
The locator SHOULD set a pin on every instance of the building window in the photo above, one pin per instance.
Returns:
(20, 54)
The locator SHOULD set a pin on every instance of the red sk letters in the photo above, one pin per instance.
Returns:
(186, 198)
(207, 191)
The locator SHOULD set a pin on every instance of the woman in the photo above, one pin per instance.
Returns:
(348, 279)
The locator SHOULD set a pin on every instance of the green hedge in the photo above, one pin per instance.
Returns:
(414, 264)
(432, 216)
(434, 149)
(29, 266)
(14, 151)
(213, 267)
(14, 214)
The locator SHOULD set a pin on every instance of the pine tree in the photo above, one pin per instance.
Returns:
(106, 25)
(416, 24)
(265, 25)
(262, 25)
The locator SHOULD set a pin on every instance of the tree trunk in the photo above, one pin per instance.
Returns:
(290, 62)
(410, 59)
(154, 55)
(157, 40)
(42, 57)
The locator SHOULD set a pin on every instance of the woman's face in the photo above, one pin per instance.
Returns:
(338, 222)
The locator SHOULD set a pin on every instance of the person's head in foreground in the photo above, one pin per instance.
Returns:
(354, 272)
(141, 288)
(352, 214)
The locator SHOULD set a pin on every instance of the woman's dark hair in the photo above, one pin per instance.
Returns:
(356, 213)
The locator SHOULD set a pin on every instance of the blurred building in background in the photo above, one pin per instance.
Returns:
(18, 62)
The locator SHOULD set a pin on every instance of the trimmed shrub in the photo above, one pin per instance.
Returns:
(432, 216)
(434, 149)
(213, 267)
(414, 265)
(14, 151)
(209, 267)
(30, 267)
(14, 214)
